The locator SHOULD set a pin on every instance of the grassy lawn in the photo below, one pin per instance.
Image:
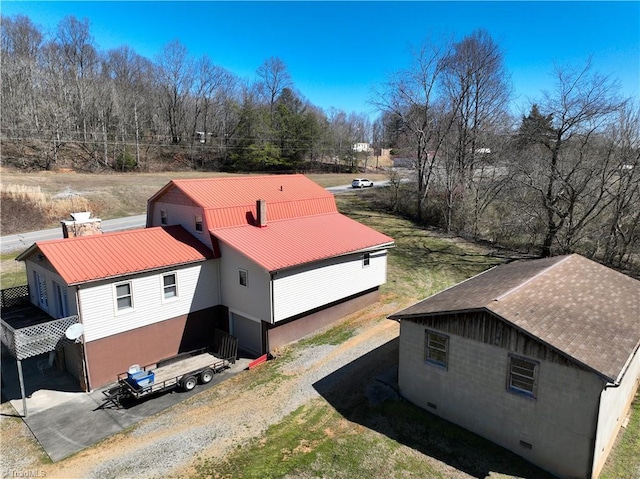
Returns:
(12, 272)
(624, 461)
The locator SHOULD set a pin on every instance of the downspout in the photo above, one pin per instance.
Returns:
(272, 276)
(272, 320)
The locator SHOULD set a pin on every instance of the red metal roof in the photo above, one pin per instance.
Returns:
(90, 258)
(285, 243)
(245, 214)
(245, 190)
(231, 201)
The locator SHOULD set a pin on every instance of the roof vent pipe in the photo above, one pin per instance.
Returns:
(261, 213)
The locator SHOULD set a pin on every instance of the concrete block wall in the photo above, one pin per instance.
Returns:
(614, 407)
(557, 428)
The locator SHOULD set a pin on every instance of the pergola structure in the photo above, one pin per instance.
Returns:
(27, 331)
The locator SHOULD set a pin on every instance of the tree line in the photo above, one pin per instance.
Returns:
(119, 110)
(564, 177)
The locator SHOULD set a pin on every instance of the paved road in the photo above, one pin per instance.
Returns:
(22, 241)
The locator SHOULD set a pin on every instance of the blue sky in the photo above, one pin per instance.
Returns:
(336, 51)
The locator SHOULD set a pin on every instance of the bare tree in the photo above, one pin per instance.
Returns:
(570, 180)
(476, 80)
(175, 80)
(622, 225)
(274, 78)
(130, 76)
(414, 97)
(21, 44)
(80, 63)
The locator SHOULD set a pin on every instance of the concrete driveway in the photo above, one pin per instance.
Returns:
(65, 420)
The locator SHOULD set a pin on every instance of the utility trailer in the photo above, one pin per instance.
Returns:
(184, 371)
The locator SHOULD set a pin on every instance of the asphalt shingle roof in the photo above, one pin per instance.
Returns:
(587, 311)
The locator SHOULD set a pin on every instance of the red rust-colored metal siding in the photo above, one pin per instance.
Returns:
(291, 242)
(91, 258)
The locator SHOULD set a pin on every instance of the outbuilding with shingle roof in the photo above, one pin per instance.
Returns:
(538, 356)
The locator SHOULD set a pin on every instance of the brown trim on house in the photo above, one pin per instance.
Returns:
(110, 356)
(284, 332)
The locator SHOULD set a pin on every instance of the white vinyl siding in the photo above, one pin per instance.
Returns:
(182, 215)
(198, 290)
(252, 300)
(323, 283)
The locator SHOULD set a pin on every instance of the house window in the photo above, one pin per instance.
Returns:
(170, 286)
(164, 217)
(366, 259)
(198, 223)
(243, 277)
(124, 297)
(436, 348)
(523, 376)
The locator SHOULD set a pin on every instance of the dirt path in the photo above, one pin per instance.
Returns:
(208, 424)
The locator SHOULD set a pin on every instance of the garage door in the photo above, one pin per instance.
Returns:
(248, 332)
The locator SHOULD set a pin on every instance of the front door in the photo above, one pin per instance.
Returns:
(248, 332)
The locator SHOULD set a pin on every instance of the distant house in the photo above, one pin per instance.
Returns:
(266, 258)
(361, 147)
(541, 357)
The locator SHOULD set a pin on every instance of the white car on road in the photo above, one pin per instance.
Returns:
(361, 183)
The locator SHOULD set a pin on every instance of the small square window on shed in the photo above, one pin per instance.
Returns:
(164, 217)
(243, 276)
(366, 259)
(198, 223)
(436, 348)
(523, 376)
